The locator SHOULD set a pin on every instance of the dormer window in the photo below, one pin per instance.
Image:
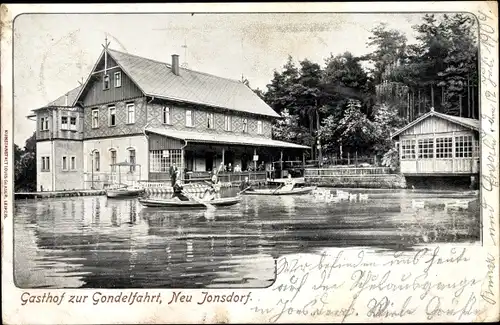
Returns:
(227, 122)
(44, 123)
(105, 82)
(118, 79)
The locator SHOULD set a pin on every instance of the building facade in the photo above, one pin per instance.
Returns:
(438, 144)
(151, 115)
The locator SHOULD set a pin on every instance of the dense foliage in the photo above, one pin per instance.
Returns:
(25, 166)
(344, 104)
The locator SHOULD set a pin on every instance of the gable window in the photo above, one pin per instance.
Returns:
(118, 79)
(463, 146)
(112, 115)
(105, 82)
(210, 120)
(72, 123)
(426, 148)
(95, 118)
(44, 123)
(45, 164)
(227, 122)
(245, 125)
(444, 148)
(189, 118)
(165, 115)
(259, 127)
(131, 113)
(64, 163)
(113, 160)
(73, 163)
(408, 149)
(131, 159)
(64, 122)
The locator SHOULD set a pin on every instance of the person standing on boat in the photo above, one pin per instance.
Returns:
(174, 172)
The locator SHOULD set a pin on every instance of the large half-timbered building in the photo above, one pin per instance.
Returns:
(151, 114)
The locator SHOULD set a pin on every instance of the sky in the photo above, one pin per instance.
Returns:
(52, 52)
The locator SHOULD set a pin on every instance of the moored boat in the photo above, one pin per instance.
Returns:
(175, 203)
(295, 191)
(124, 192)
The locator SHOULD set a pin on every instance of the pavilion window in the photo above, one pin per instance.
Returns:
(64, 122)
(444, 147)
(161, 160)
(44, 123)
(45, 164)
(189, 118)
(118, 79)
(426, 148)
(463, 146)
(64, 163)
(73, 163)
(408, 149)
(97, 161)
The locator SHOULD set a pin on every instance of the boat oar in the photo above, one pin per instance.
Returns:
(276, 190)
(198, 200)
(246, 189)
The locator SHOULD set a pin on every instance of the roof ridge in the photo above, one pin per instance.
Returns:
(170, 65)
(61, 96)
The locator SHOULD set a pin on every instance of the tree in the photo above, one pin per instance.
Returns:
(287, 129)
(25, 165)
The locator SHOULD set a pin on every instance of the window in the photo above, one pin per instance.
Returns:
(97, 161)
(95, 118)
(210, 120)
(161, 160)
(444, 148)
(73, 163)
(64, 122)
(44, 123)
(408, 149)
(113, 160)
(426, 148)
(227, 122)
(112, 116)
(72, 123)
(463, 146)
(45, 164)
(131, 159)
(245, 125)
(64, 163)
(166, 115)
(105, 82)
(189, 118)
(118, 79)
(131, 113)
(259, 127)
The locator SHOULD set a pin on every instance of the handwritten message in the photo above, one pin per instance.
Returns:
(346, 285)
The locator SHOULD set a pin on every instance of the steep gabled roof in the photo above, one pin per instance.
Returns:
(463, 121)
(156, 79)
(61, 101)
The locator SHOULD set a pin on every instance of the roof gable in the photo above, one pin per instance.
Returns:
(465, 122)
(156, 79)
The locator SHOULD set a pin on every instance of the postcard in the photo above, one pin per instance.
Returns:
(250, 163)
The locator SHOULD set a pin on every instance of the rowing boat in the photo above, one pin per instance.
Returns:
(175, 203)
(295, 191)
(124, 192)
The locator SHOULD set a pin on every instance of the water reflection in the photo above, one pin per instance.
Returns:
(95, 242)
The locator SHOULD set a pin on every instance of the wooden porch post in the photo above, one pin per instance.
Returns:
(254, 161)
(182, 163)
(223, 154)
(281, 163)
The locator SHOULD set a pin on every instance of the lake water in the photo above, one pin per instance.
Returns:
(95, 242)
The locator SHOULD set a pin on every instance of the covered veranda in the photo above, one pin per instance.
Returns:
(233, 156)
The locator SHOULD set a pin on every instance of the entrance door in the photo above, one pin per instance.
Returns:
(209, 161)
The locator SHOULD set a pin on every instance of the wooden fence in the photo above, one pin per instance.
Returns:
(346, 171)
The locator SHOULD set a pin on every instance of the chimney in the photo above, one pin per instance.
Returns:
(175, 64)
(66, 100)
